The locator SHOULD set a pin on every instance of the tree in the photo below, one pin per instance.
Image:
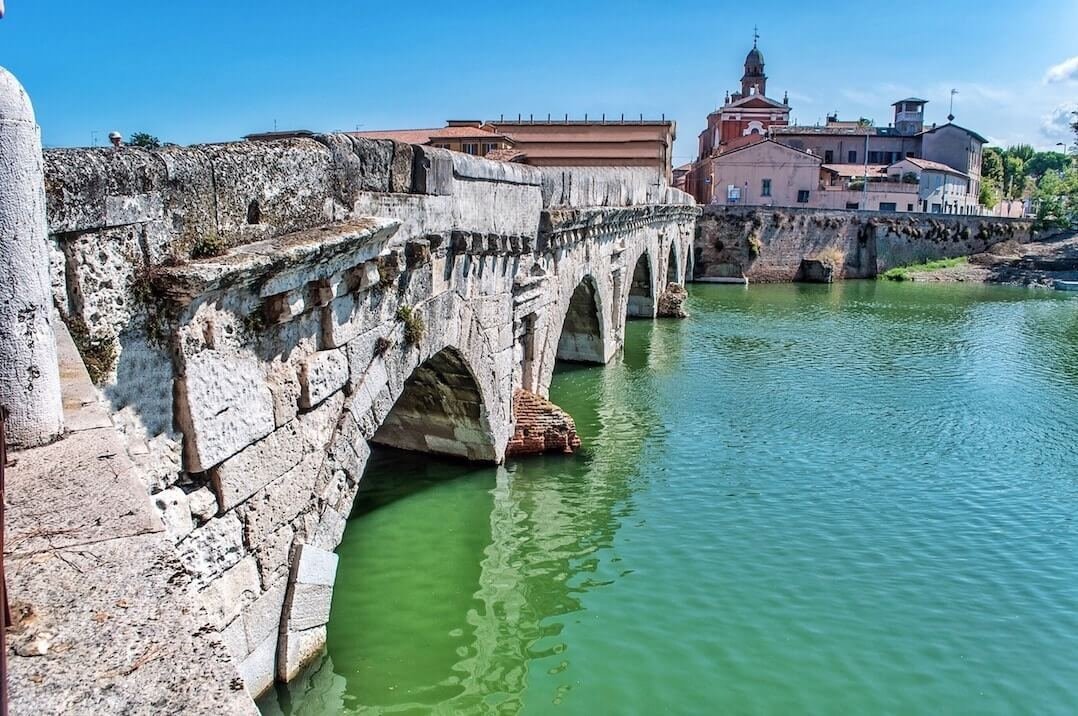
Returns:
(1043, 162)
(1014, 176)
(1056, 199)
(144, 140)
(991, 177)
(1024, 152)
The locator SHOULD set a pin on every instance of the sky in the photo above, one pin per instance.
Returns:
(214, 70)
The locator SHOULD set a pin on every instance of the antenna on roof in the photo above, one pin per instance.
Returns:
(950, 112)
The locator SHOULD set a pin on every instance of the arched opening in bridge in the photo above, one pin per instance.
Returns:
(641, 299)
(440, 411)
(671, 265)
(581, 334)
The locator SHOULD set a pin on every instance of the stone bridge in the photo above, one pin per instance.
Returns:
(256, 314)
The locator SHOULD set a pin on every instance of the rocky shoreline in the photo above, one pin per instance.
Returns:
(1037, 264)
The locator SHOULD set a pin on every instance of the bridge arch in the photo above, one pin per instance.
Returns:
(581, 337)
(673, 271)
(641, 299)
(440, 410)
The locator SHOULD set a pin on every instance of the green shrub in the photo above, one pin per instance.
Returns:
(413, 324)
(755, 246)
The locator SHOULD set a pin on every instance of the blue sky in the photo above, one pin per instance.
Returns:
(202, 70)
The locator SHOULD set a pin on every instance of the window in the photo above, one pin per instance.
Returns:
(888, 206)
(765, 187)
(828, 157)
(937, 208)
(802, 196)
(909, 207)
(441, 146)
(873, 157)
(470, 148)
(852, 157)
(852, 205)
(489, 147)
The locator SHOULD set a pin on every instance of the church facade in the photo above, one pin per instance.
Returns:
(745, 116)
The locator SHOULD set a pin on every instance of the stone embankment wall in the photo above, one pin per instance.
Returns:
(257, 313)
(769, 244)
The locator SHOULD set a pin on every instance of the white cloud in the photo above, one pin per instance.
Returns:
(1065, 71)
(1057, 124)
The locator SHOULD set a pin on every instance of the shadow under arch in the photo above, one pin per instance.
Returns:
(441, 411)
(672, 272)
(581, 339)
(641, 290)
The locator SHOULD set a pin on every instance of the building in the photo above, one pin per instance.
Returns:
(593, 143)
(901, 167)
(469, 136)
(744, 113)
(581, 143)
(765, 173)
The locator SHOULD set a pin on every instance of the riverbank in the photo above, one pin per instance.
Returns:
(1037, 264)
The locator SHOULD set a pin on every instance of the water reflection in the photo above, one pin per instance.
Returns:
(502, 556)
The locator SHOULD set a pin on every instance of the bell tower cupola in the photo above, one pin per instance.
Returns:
(754, 80)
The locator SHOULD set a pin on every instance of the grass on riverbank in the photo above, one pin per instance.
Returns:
(903, 273)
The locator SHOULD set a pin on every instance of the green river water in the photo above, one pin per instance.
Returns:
(852, 499)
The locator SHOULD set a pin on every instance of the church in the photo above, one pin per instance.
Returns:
(744, 117)
(750, 154)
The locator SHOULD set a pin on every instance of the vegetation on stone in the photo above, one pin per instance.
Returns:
(413, 324)
(208, 246)
(903, 273)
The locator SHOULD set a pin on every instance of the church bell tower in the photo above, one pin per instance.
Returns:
(754, 76)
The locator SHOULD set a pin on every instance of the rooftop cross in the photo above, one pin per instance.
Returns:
(755, 35)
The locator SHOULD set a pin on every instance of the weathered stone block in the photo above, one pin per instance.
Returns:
(225, 597)
(263, 618)
(315, 566)
(281, 501)
(244, 474)
(272, 554)
(432, 171)
(400, 175)
(321, 375)
(297, 650)
(224, 406)
(267, 189)
(174, 506)
(257, 669)
(203, 504)
(213, 548)
(235, 640)
(308, 606)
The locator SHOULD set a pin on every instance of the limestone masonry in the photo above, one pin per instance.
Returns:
(256, 314)
(780, 244)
